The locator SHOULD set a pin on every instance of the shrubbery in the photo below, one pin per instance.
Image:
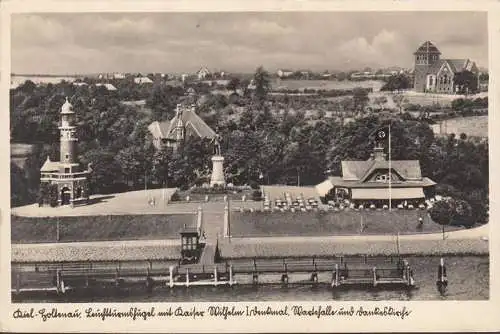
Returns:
(257, 195)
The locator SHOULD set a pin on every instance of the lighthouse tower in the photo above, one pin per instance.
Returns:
(68, 134)
(66, 177)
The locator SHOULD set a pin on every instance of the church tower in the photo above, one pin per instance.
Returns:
(425, 56)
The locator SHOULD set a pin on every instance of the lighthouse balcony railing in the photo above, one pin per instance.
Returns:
(59, 176)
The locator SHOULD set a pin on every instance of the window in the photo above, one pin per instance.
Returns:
(66, 156)
(66, 170)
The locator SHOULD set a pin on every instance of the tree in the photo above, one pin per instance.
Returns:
(262, 81)
(360, 98)
(399, 100)
(396, 83)
(233, 84)
(162, 161)
(106, 172)
(442, 212)
(19, 193)
(466, 82)
(380, 101)
(463, 213)
(341, 76)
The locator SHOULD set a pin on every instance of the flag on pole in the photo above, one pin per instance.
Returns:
(380, 134)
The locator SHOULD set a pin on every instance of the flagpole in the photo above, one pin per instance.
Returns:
(390, 171)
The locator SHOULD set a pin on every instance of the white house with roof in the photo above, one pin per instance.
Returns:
(108, 86)
(203, 73)
(283, 73)
(143, 80)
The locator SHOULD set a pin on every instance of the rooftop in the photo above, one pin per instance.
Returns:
(427, 47)
(191, 121)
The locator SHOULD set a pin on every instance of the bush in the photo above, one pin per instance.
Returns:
(257, 195)
(53, 194)
(254, 185)
(175, 197)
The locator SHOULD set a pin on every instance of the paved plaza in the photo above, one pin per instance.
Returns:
(154, 201)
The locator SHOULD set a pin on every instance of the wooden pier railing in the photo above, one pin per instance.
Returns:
(342, 271)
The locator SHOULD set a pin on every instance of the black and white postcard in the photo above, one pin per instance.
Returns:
(234, 166)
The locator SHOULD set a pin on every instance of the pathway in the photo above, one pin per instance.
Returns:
(130, 203)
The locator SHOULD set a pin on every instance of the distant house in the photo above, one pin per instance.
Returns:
(118, 76)
(108, 86)
(202, 73)
(305, 74)
(185, 124)
(143, 80)
(80, 84)
(284, 73)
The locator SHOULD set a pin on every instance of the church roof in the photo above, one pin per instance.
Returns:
(189, 119)
(50, 166)
(427, 47)
(456, 65)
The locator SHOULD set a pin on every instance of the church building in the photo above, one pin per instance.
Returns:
(67, 176)
(436, 75)
(186, 123)
(378, 181)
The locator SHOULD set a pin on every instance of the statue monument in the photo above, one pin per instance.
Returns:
(217, 178)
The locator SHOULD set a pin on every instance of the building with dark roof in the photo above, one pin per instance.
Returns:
(186, 123)
(433, 74)
(377, 180)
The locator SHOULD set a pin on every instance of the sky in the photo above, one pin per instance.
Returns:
(68, 43)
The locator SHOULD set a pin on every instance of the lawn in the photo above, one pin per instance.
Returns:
(473, 126)
(262, 224)
(98, 228)
(325, 84)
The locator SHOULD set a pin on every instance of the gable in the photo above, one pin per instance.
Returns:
(193, 125)
(434, 68)
(407, 170)
(446, 68)
(382, 175)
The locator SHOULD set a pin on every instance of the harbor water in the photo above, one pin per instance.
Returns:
(468, 279)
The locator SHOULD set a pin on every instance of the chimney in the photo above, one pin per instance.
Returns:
(378, 154)
(178, 110)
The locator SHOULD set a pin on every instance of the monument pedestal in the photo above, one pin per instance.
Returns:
(217, 177)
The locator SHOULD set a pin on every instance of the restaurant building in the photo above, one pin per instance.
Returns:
(378, 181)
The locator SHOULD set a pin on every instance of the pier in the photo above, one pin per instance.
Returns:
(334, 271)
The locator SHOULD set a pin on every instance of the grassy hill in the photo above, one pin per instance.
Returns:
(98, 228)
(262, 224)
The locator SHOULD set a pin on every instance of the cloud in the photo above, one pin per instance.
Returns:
(29, 30)
(268, 28)
(179, 42)
(382, 49)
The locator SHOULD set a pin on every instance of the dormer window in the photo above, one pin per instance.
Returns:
(382, 178)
